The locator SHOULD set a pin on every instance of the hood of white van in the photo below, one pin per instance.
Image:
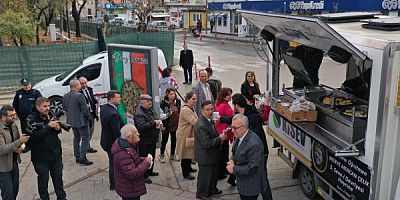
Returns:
(48, 82)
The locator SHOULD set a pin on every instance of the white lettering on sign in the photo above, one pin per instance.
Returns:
(301, 5)
(390, 4)
(233, 6)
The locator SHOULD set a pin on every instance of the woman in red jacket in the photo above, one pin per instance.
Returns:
(129, 167)
(225, 110)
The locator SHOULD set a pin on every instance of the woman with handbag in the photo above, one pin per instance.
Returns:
(171, 106)
(185, 134)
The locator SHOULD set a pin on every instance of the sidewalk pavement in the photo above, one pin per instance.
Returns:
(91, 182)
(218, 36)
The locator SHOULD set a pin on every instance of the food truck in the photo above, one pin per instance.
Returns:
(351, 148)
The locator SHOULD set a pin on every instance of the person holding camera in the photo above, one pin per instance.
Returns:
(46, 148)
(78, 116)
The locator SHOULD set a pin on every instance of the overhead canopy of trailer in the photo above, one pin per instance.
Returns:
(309, 31)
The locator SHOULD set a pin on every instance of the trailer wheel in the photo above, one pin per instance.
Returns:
(307, 182)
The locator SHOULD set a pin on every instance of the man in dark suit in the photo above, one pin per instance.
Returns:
(111, 124)
(78, 117)
(247, 160)
(203, 91)
(207, 150)
(186, 62)
(92, 104)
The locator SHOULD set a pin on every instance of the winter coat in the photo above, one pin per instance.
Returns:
(215, 86)
(170, 125)
(187, 120)
(24, 102)
(44, 142)
(256, 125)
(8, 147)
(248, 92)
(129, 169)
(224, 110)
(167, 82)
(145, 124)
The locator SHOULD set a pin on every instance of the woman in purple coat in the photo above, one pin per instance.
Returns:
(129, 167)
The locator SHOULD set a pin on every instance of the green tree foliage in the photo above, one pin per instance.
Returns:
(16, 26)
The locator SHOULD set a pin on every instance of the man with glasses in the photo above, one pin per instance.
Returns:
(247, 160)
(207, 149)
(10, 147)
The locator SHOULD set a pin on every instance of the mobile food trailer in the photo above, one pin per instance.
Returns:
(351, 149)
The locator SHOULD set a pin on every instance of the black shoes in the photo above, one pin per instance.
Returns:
(231, 182)
(216, 192)
(112, 187)
(154, 174)
(148, 181)
(85, 162)
(192, 170)
(189, 177)
(91, 150)
(184, 83)
(203, 198)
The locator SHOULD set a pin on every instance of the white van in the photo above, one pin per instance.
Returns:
(94, 68)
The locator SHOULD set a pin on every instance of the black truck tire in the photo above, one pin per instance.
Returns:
(307, 182)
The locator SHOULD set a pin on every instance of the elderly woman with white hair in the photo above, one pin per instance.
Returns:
(129, 167)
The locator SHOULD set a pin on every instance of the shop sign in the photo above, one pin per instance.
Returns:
(347, 174)
(232, 6)
(292, 137)
(301, 5)
(391, 4)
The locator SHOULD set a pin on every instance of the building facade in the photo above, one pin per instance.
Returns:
(228, 21)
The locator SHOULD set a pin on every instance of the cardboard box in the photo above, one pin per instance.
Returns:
(299, 116)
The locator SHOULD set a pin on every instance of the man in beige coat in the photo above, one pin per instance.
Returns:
(10, 148)
(185, 135)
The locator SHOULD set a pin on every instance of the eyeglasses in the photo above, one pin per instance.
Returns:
(236, 128)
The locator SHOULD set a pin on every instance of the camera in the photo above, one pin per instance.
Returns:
(56, 116)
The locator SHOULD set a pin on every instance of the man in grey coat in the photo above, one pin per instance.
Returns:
(203, 91)
(10, 148)
(207, 144)
(78, 117)
(247, 160)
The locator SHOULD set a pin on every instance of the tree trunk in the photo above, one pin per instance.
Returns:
(37, 35)
(15, 42)
(21, 42)
(77, 28)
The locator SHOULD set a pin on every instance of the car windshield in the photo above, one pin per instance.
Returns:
(64, 75)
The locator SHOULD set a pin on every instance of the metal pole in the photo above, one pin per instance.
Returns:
(206, 15)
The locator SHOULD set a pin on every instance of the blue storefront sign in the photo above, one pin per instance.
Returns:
(315, 5)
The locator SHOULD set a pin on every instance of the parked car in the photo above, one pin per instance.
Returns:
(94, 68)
(117, 21)
(158, 26)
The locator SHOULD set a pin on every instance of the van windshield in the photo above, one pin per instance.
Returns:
(64, 75)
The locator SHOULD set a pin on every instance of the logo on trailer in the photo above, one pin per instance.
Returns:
(390, 4)
(301, 5)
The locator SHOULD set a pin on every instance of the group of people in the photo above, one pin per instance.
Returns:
(205, 139)
(197, 136)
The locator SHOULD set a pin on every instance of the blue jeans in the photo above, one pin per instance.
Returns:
(9, 183)
(55, 168)
(81, 142)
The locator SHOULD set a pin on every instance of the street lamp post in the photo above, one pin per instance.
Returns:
(206, 15)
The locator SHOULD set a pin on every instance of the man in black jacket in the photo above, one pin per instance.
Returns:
(92, 106)
(111, 124)
(186, 62)
(46, 148)
(207, 149)
(24, 102)
(148, 125)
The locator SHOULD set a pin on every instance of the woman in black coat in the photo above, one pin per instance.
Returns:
(250, 87)
(171, 107)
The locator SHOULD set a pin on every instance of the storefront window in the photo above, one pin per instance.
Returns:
(225, 19)
(219, 21)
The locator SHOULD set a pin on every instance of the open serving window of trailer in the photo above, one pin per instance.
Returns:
(339, 131)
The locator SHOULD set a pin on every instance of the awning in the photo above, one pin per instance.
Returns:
(311, 32)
